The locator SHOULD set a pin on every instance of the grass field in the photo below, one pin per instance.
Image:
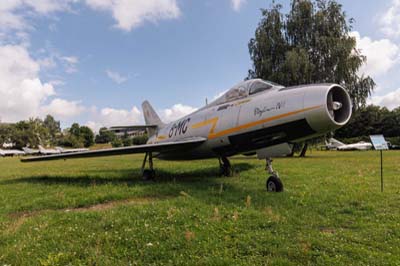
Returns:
(98, 212)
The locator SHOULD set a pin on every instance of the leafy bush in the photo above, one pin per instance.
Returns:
(117, 143)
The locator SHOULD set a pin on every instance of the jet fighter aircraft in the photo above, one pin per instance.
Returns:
(334, 144)
(44, 151)
(29, 151)
(63, 150)
(11, 152)
(255, 116)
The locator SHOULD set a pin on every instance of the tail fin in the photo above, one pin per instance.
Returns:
(150, 116)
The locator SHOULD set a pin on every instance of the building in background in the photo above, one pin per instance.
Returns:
(132, 132)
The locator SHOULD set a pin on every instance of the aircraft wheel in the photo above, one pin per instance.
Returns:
(274, 184)
(148, 175)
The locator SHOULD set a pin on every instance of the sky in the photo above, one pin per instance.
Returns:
(95, 61)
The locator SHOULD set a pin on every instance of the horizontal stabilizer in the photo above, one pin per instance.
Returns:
(134, 127)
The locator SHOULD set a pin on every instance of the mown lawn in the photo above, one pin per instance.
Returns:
(98, 212)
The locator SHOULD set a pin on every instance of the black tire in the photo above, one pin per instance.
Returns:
(274, 184)
(148, 175)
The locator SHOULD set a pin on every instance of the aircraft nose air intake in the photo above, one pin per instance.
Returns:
(335, 107)
(339, 105)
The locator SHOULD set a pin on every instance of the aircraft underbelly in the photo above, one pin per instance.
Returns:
(265, 137)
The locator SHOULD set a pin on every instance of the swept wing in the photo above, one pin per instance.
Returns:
(159, 147)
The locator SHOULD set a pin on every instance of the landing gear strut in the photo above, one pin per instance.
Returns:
(274, 183)
(225, 167)
(148, 174)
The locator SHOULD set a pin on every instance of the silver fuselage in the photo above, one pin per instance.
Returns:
(254, 122)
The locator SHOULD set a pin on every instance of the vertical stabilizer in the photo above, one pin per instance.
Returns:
(150, 116)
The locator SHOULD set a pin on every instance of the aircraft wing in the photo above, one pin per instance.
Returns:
(159, 147)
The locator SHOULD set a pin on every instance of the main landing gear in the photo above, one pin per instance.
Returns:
(225, 167)
(274, 183)
(148, 174)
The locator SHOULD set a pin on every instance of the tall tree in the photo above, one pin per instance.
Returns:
(53, 128)
(5, 134)
(310, 44)
(87, 135)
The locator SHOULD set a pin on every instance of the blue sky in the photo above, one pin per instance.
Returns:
(95, 61)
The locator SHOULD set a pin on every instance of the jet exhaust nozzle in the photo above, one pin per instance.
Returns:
(339, 105)
(336, 107)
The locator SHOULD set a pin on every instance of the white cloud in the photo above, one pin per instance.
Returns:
(237, 4)
(70, 59)
(21, 91)
(23, 94)
(175, 112)
(390, 100)
(54, 59)
(107, 117)
(116, 77)
(130, 14)
(56, 82)
(61, 108)
(382, 55)
(70, 63)
(390, 20)
(14, 13)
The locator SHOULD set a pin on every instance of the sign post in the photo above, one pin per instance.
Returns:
(380, 144)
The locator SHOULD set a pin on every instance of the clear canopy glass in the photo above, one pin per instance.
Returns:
(244, 89)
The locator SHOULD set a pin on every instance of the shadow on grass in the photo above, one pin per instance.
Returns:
(202, 184)
(127, 177)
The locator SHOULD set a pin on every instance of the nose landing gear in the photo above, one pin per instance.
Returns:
(274, 183)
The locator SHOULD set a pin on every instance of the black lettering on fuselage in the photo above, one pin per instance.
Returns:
(179, 128)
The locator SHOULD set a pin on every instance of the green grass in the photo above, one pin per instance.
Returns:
(98, 212)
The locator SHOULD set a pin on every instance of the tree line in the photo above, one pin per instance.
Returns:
(47, 132)
(371, 120)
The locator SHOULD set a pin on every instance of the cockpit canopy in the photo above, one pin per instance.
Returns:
(244, 89)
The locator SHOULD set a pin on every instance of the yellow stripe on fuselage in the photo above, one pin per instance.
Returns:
(212, 121)
(221, 133)
(161, 137)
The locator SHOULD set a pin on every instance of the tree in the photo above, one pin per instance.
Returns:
(75, 130)
(78, 136)
(105, 136)
(371, 120)
(310, 44)
(87, 135)
(53, 128)
(140, 140)
(29, 133)
(116, 143)
(5, 134)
